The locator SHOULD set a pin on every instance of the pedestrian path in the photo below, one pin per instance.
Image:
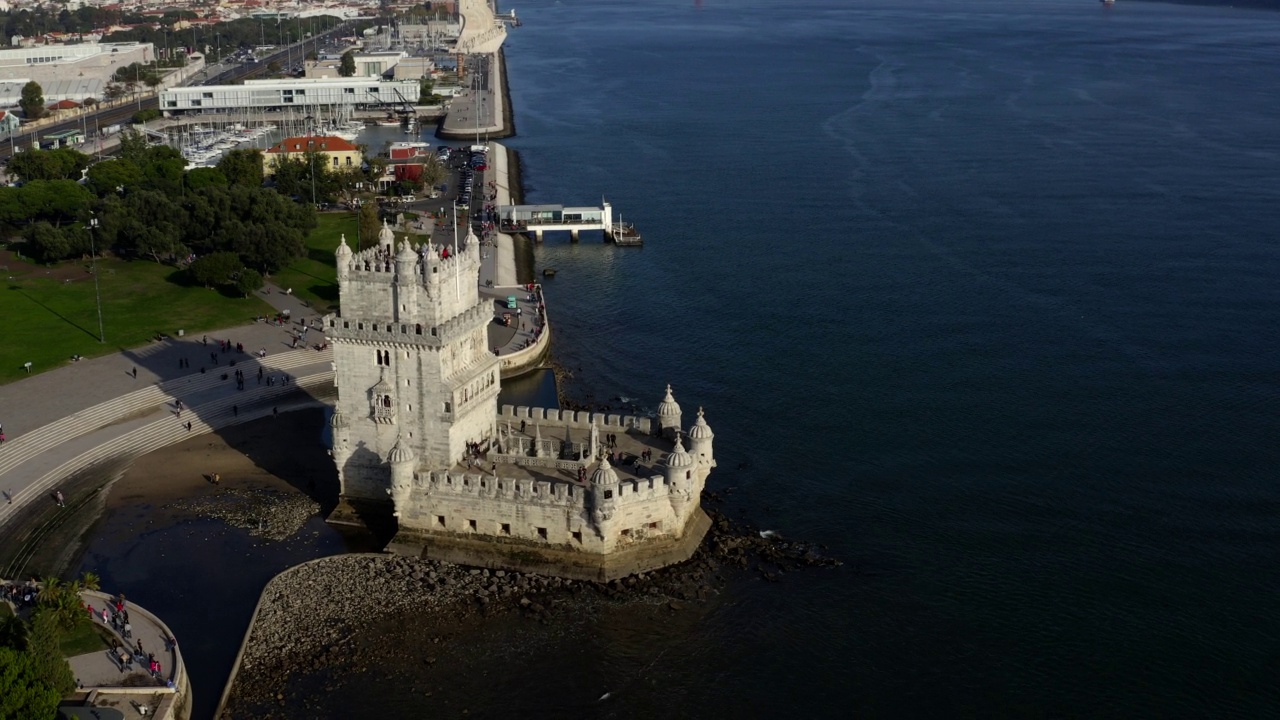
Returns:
(131, 403)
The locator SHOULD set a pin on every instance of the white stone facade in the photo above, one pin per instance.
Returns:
(417, 423)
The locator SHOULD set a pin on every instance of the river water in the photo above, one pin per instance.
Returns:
(980, 295)
(983, 294)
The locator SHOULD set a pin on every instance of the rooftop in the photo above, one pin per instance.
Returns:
(316, 142)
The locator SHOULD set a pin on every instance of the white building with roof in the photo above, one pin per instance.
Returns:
(281, 94)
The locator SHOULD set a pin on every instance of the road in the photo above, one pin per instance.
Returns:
(122, 113)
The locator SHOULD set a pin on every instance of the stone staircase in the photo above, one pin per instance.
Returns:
(142, 421)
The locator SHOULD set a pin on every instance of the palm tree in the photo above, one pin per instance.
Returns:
(91, 581)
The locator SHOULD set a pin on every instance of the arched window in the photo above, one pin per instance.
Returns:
(418, 329)
(448, 406)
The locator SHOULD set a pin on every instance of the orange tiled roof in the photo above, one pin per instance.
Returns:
(319, 143)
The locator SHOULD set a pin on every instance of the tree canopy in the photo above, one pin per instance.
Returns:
(23, 692)
(59, 164)
(32, 100)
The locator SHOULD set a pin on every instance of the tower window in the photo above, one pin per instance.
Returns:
(418, 329)
(448, 406)
(506, 528)
(577, 536)
(542, 533)
(471, 524)
(404, 329)
(440, 520)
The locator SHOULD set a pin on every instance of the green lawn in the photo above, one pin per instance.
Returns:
(313, 277)
(86, 637)
(50, 313)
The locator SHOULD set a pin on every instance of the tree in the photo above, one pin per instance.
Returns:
(249, 282)
(59, 164)
(32, 101)
(242, 167)
(433, 172)
(347, 66)
(42, 644)
(133, 146)
(205, 177)
(90, 581)
(47, 243)
(369, 226)
(215, 269)
(114, 176)
(23, 692)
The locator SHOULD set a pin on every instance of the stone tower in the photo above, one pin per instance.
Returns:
(416, 380)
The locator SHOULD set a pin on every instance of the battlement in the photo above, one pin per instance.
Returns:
(379, 265)
(582, 420)
(547, 493)
(522, 491)
(407, 333)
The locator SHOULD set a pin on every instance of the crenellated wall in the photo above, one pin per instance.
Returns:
(582, 420)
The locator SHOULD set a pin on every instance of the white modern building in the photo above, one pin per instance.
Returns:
(280, 94)
(47, 64)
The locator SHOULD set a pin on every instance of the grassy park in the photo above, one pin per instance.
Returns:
(312, 277)
(51, 312)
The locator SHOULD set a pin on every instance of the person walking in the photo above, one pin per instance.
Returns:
(60, 499)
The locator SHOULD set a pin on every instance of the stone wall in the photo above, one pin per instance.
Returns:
(578, 419)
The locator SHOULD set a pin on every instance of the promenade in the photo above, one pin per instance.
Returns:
(126, 404)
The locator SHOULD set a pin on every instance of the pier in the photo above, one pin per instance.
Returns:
(539, 219)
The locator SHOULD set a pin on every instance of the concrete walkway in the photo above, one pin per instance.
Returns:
(104, 669)
(126, 404)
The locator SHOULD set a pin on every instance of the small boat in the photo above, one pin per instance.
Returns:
(626, 234)
(549, 272)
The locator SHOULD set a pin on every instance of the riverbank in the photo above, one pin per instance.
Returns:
(387, 620)
(199, 555)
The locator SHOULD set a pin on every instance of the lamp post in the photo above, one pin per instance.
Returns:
(97, 291)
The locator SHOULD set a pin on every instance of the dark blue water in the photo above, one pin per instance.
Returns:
(985, 293)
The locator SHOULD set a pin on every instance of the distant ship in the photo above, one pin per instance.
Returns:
(1108, 2)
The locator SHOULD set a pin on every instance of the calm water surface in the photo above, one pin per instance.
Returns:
(981, 295)
(985, 295)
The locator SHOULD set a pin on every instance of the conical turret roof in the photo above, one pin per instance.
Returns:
(678, 457)
(668, 407)
(401, 453)
(701, 430)
(605, 474)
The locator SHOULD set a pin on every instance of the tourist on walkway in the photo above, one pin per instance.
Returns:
(62, 501)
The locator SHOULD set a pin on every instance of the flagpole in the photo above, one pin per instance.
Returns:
(457, 288)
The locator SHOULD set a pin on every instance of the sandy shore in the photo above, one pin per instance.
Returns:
(282, 453)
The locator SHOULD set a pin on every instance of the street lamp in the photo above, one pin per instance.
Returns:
(97, 290)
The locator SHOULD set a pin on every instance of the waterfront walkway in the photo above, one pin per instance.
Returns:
(104, 680)
(127, 404)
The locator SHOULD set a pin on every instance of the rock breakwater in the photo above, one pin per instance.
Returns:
(328, 622)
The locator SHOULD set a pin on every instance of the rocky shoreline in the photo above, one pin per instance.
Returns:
(313, 620)
(261, 511)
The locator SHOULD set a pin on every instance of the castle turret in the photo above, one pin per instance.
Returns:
(341, 442)
(604, 493)
(679, 473)
(406, 282)
(669, 416)
(386, 238)
(700, 437)
(401, 458)
(343, 255)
